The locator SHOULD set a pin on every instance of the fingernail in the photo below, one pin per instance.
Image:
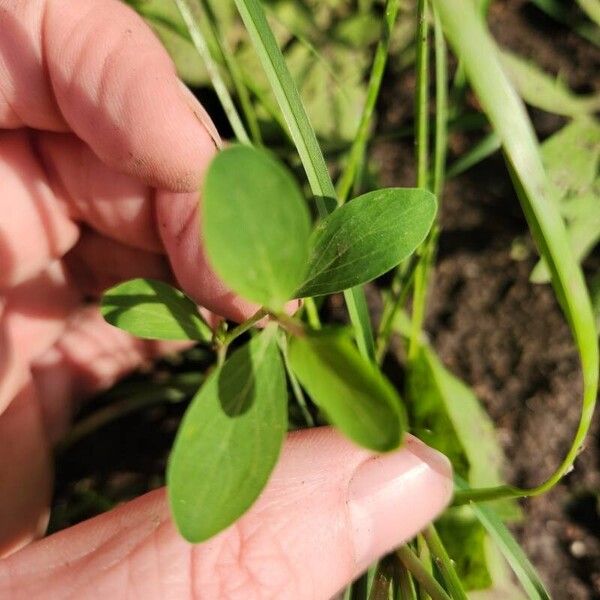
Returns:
(393, 496)
(200, 113)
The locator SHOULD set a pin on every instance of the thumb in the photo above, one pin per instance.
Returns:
(329, 511)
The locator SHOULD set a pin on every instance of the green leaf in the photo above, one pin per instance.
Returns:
(571, 157)
(154, 310)
(367, 237)
(543, 91)
(229, 440)
(255, 225)
(351, 391)
(465, 540)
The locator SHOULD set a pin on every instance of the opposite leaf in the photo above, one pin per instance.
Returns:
(154, 310)
(229, 440)
(355, 396)
(366, 238)
(255, 225)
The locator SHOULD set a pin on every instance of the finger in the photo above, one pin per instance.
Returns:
(25, 472)
(90, 356)
(115, 204)
(96, 263)
(96, 66)
(35, 229)
(32, 320)
(329, 510)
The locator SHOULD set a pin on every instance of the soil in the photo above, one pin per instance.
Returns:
(503, 335)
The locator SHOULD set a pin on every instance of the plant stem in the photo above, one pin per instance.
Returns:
(422, 551)
(359, 589)
(382, 580)
(357, 151)
(312, 313)
(444, 564)
(190, 12)
(405, 586)
(412, 563)
(243, 327)
(422, 155)
(296, 389)
(399, 293)
(236, 75)
(422, 96)
(304, 137)
(441, 110)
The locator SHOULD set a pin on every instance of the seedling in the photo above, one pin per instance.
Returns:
(257, 233)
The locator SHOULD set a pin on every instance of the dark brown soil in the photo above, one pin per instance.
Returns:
(501, 334)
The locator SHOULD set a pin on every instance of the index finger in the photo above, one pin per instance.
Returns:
(94, 67)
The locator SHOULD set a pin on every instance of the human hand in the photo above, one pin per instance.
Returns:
(101, 151)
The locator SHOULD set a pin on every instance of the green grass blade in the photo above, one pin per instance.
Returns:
(303, 135)
(473, 44)
(512, 552)
(357, 151)
(190, 11)
(288, 98)
(235, 72)
(484, 148)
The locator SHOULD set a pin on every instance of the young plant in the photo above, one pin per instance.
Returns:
(257, 233)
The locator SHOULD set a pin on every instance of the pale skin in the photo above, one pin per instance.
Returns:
(101, 151)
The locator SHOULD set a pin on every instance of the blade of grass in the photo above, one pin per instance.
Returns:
(473, 44)
(441, 110)
(485, 147)
(234, 72)
(191, 13)
(304, 137)
(444, 564)
(357, 151)
(510, 548)
(412, 563)
(289, 100)
(404, 587)
(422, 155)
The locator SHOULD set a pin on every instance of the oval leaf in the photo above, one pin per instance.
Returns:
(367, 237)
(154, 310)
(355, 396)
(229, 440)
(255, 225)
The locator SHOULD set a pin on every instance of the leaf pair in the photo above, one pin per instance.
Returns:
(231, 435)
(256, 231)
